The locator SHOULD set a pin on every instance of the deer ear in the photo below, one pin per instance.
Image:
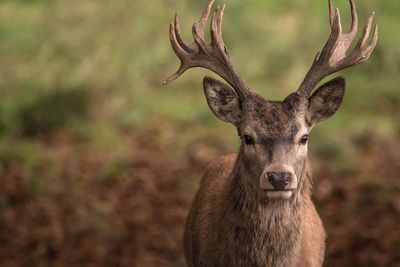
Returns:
(222, 100)
(325, 101)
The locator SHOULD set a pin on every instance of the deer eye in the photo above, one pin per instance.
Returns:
(248, 140)
(304, 139)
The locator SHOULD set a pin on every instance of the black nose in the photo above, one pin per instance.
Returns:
(279, 180)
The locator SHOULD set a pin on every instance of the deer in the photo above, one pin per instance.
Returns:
(254, 208)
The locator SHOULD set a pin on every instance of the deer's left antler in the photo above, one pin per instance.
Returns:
(334, 56)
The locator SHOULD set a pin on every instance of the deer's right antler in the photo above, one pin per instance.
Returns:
(333, 56)
(213, 56)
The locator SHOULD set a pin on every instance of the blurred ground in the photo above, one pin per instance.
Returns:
(99, 163)
(98, 210)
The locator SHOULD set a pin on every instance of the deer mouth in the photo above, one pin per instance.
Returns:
(279, 194)
(277, 190)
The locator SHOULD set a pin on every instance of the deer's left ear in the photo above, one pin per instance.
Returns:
(222, 100)
(325, 101)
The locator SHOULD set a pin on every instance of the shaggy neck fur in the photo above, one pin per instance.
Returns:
(264, 232)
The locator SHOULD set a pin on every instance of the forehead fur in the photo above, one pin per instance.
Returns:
(274, 118)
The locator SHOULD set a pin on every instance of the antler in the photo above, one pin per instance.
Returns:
(333, 56)
(213, 56)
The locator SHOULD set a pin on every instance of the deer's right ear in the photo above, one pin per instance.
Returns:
(222, 100)
(325, 101)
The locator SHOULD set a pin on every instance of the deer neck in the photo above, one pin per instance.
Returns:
(261, 225)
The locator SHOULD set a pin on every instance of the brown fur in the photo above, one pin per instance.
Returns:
(236, 218)
(228, 227)
(255, 209)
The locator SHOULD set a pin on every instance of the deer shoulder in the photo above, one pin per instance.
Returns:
(207, 204)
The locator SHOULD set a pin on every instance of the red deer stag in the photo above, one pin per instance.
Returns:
(254, 208)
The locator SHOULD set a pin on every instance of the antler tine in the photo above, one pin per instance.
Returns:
(179, 51)
(366, 31)
(213, 56)
(198, 28)
(178, 35)
(372, 44)
(354, 18)
(216, 28)
(203, 19)
(333, 56)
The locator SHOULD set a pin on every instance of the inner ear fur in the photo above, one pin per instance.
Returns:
(325, 101)
(222, 100)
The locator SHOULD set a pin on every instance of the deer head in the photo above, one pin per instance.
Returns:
(274, 134)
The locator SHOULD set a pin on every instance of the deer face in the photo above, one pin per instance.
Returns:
(274, 134)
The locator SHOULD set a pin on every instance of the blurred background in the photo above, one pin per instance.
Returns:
(99, 163)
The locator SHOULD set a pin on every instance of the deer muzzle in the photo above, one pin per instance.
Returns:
(278, 181)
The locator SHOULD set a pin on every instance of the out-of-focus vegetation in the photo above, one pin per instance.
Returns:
(99, 163)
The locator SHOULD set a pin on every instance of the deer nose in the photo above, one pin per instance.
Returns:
(279, 180)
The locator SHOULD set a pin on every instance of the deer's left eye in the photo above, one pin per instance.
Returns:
(304, 139)
(248, 140)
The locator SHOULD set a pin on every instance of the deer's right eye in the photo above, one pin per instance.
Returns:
(248, 140)
(304, 139)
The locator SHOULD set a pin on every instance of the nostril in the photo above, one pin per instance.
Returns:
(287, 177)
(272, 177)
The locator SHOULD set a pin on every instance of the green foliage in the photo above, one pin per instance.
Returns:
(53, 111)
(114, 169)
(116, 54)
(20, 152)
